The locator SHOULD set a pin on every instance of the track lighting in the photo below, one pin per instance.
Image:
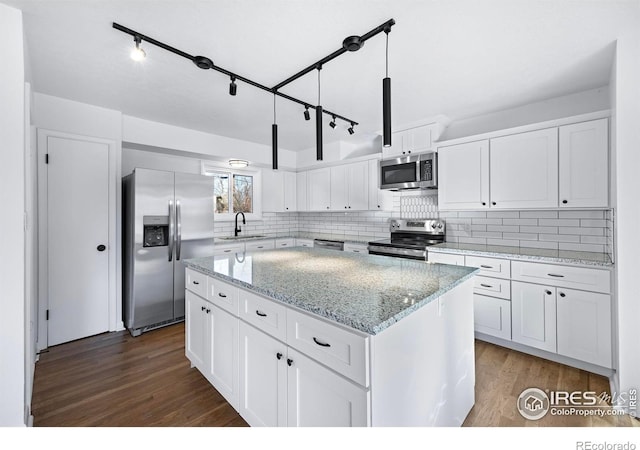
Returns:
(307, 116)
(350, 129)
(332, 124)
(137, 54)
(233, 87)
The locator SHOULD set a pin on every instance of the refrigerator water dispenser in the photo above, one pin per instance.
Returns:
(156, 231)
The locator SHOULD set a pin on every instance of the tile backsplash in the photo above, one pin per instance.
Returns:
(560, 230)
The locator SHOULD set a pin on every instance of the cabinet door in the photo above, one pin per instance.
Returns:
(289, 186)
(317, 397)
(263, 378)
(339, 188)
(319, 189)
(584, 326)
(272, 191)
(584, 168)
(463, 176)
(418, 139)
(397, 146)
(533, 315)
(492, 316)
(379, 200)
(358, 182)
(302, 201)
(222, 361)
(524, 170)
(445, 258)
(195, 330)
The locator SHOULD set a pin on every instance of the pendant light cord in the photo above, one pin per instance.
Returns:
(387, 56)
(274, 107)
(319, 85)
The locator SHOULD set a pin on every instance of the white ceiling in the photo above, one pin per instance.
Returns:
(455, 58)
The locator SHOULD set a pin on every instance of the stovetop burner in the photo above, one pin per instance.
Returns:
(410, 238)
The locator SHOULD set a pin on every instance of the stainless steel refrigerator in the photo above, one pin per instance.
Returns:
(167, 217)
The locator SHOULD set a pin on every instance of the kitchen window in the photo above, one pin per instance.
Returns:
(234, 191)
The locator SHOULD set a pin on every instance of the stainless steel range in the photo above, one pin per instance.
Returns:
(409, 238)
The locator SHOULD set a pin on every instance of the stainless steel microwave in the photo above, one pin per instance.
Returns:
(409, 172)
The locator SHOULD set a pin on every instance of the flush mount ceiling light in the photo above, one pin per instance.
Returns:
(349, 44)
(238, 163)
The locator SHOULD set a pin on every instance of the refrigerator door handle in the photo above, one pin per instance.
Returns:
(179, 230)
(171, 231)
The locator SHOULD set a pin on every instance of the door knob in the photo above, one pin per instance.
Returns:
(101, 248)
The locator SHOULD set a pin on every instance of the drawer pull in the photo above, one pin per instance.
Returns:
(196, 282)
(485, 285)
(260, 246)
(484, 266)
(562, 294)
(227, 251)
(208, 310)
(555, 275)
(202, 308)
(220, 294)
(548, 292)
(279, 356)
(260, 313)
(289, 362)
(320, 343)
(356, 251)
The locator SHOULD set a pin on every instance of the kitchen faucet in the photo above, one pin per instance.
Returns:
(238, 230)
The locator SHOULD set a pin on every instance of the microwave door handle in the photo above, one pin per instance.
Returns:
(418, 170)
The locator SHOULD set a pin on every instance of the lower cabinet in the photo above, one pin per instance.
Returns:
(212, 345)
(282, 387)
(533, 312)
(492, 316)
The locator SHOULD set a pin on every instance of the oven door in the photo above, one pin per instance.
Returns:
(400, 173)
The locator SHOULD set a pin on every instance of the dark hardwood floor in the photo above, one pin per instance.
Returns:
(115, 380)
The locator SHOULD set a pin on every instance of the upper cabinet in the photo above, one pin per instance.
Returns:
(413, 140)
(560, 167)
(523, 170)
(319, 189)
(379, 199)
(278, 191)
(302, 198)
(584, 168)
(350, 187)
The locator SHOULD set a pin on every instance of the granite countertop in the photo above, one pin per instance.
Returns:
(526, 253)
(351, 239)
(365, 292)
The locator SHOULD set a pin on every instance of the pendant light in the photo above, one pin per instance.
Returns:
(274, 137)
(319, 122)
(386, 98)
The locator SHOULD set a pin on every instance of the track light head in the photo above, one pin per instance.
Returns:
(353, 43)
(332, 124)
(307, 116)
(350, 129)
(233, 87)
(203, 62)
(137, 54)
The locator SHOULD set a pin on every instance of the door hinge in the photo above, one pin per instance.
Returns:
(47, 314)
(46, 158)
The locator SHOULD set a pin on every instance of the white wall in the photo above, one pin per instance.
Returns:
(627, 197)
(132, 158)
(12, 275)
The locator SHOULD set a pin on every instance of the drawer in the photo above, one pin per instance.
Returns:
(196, 282)
(492, 316)
(491, 267)
(222, 294)
(584, 278)
(304, 242)
(445, 258)
(227, 249)
(260, 245)
(263, 314)
(335, 347)
(356, 248)
(285, 242)
(493, 287)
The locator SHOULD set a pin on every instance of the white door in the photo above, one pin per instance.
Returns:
(524, 170)
(195, 330)
(272, 190)
(339, 188)
(584, 326)
(263, 378)
(463, 176)
(302, 201)
(77, 238)
(289, 187)
(397, 146)
(584, 165)
(317, 397)
(492, 316)
(418, 139)
(533, 315)
(319, 189)
(358, 186)
(222, 360)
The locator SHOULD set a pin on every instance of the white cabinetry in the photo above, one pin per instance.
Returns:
(413, 140)
(356, 248)
(533, 310)
(228, 249)
(300, 242)
(285, 242)
(584, 165)
(302, 197)
(255, 246)
(463, 176)
(524, 170)
(319, 189)
(379, 199)
(278, 191)
(350, 187)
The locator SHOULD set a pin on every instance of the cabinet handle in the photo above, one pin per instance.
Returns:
(548, 292)
(220, 294)
(493, 203)
(345, 207)
(260, 246)
(260, 313)
(555, 275)
(196, 282)
(202, 308)
(279, 356)
(486, 285)
(356, 251)
(378, 206)
(227, 251)
(565, 202)
(208, 310)
(403, 153)
(484, 203)
(320, 343)
(484, 266)
(562, 294)
(289, 362)
(409, 151)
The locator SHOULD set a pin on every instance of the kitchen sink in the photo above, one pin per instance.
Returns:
(239, 238)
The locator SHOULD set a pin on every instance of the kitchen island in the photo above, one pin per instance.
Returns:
(313, 337)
